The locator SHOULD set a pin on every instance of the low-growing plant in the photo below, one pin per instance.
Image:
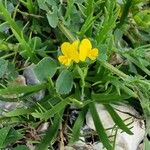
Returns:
(83, 53)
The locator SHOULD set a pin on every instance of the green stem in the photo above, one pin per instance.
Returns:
(23, 2)
(8, 55)
(76, 102)
(114, 70)
(66, 32)
(83, 74)
(29, 14)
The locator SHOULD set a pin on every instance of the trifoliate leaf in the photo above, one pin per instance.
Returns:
(64, 82)
(45, 68)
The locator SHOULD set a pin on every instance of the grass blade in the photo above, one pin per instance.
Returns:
(55, 109)
(117, 119)
(51, 132)
(109, 98)
(99, 127)
(18, 112)
(22, 89)
(77, 126)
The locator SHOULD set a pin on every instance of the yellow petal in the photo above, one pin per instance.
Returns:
(64, 60)
(75, 56)
(84, 48)
(75, 45)
(74, 51)
(65, 48)
(71, 50)
(61, 59)
(68, 62)
(93, 53)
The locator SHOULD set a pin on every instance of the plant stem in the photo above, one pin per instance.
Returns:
(8, 55)
(29, 14)
(66, 32)
(114, 70)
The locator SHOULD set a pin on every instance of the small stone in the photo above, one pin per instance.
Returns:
(8, 106)
(124, 141)
(79, 145)
(73, 116)
(98, 146)
(43, 127)
(140, 147)
(69, 148)
(31, 79)
(116, 59)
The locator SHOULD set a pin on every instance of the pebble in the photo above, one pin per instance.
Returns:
(31, 79)
(124, 141)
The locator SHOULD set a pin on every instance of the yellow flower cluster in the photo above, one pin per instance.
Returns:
(77, 51)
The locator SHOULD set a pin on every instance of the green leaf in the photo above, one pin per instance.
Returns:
(3, 136)
(77, 126)
(42, 5)
(8, 135)
(109, 22)
(89, 7)
(51, 8)
(116, 118)
(45, 68)
(137, 63)
(21, 147)
(146, 144)
(18, 112)
(109, 98)
(12, 73)
(142, 18)
(13, 136)
(69, 8)
(22, 89)
(49, 113)
(51, 132)
(52, 17)
(88, 23)
(64, 82)
(103, 50)
(3, 67)
(99, 127)
(125, 12)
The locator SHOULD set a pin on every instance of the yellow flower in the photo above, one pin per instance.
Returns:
(93, 53)
(77, 51)
(85, 50)
(64, 60)
(70, 53)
